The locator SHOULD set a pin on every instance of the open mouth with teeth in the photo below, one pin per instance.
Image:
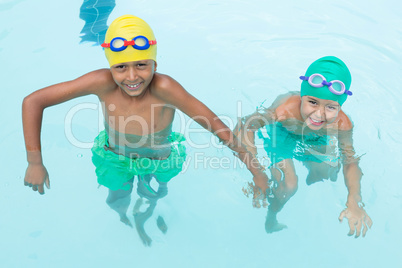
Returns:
(132, 87)
(315, 122)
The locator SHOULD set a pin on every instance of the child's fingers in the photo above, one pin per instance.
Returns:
(47, 182)
(364, 229)
(264, 203)
(367, 224)
(368, 221)
(41, 190)
(358, 228)
(258, 196)
(26, 182)
(257, 193)
(256, 203)
(248, 190)
(343, 215)
(352, 226)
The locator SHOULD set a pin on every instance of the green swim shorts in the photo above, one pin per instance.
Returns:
(282, 144)
(114, 170)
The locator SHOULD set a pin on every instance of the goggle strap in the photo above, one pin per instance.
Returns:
(129, 43)
(325, 83)
(105, 45)
(305, 78)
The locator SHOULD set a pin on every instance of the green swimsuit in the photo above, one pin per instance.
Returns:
(114, 170)
(282, 144)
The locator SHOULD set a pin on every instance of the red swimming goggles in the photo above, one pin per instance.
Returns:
(119, 43)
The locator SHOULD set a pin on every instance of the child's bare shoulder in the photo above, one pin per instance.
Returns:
(163, 81)
(344, 122)
(103, 77)
(288, 107)
(163, 85)
(97, 82)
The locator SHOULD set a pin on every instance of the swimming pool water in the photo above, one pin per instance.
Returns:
(229, 54)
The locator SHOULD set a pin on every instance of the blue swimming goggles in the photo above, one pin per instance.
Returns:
(119, 43)
(335, 86)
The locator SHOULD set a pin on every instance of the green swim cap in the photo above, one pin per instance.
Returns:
(332, 69)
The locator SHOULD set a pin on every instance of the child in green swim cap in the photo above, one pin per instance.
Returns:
(139, 105)
(310, 126)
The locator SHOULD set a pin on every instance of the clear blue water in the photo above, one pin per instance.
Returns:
(222, 52)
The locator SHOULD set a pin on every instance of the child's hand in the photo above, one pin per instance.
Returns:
(261, 181)
(35, 176)
(357, 218)
(259, 190)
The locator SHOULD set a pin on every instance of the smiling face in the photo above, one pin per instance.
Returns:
(317, 113)
(134, 77)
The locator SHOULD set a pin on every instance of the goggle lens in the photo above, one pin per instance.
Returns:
(338, 87)
(141, 42)
(317, 80)
(117, 44)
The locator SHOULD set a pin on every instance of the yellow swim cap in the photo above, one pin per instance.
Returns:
(140, 41)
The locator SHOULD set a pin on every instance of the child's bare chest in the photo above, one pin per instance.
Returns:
(137, 117)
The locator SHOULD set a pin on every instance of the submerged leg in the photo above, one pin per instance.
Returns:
(160, 222)
(285, 181)
(119, 201)
(145, 190)
(320, 171)
(141, 217)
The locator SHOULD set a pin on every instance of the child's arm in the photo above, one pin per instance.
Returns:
(32, 112)
(245, 132)
(248, 125)
(173, 93)
(355, 213)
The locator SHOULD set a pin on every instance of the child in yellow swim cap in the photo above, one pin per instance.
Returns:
(310, 126)
(139, 106)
